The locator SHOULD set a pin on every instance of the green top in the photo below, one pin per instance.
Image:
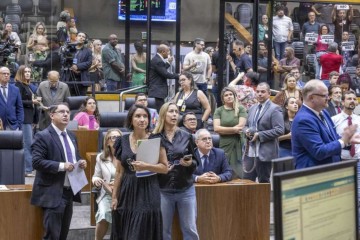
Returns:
(232, 143)
(110, 54)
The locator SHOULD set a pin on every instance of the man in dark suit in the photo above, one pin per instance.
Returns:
(52, 92)
(157, 84)
(214, 167)
(79, 69)
(55, 154)
(264, 125)
(52, 60)
(334, 105)
(313, 134)
(11, 106)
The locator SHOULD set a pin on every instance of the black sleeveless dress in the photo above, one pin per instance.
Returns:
(138, 214)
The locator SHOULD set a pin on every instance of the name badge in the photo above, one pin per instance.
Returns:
(180, 102)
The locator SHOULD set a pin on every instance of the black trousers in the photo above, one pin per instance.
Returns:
(158, 103)
(57, 220)
(262, 169)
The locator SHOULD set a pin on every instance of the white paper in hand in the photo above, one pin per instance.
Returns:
(148, 151)
(77, 178)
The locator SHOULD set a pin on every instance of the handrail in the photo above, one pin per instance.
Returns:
(127, 91)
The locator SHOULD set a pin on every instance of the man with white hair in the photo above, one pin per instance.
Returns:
(214, 167)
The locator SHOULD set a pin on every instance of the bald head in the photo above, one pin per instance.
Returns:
(113, 40)
(163, 50)
(311, 86)
(316, 95)
(53, 77)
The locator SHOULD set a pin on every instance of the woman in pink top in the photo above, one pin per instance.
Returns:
(88, 116)
(320, 48)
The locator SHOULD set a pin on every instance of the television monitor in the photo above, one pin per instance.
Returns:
(283, 164)
(162, 10)
(317, 203)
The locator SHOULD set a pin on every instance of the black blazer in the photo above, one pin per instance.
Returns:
(157, 84)
(331, 109)
(30, 110)
(48, 152)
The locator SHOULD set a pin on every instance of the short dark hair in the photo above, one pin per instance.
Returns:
(53, 108)
(140, 95)
(347, 93)
(130, 115)
(331, 88)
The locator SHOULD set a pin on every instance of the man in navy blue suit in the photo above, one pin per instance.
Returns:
(214, 167)
(313, 134)
(55, 153)
(11, 107)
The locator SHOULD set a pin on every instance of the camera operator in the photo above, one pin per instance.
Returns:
(78, 69)
(52, 61)
(8, 52)
(12, 35)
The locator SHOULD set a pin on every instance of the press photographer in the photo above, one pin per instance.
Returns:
(76, 60)
(8, 52)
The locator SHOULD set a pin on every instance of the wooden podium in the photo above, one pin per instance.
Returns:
(19, 219)
(87, 142)
(237, 210)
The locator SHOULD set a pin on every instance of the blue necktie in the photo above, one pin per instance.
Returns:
(257, 114)
(4, 92)
(206, 163)
(67, 148)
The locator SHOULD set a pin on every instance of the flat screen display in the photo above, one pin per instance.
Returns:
(161, 10)
(316, 204)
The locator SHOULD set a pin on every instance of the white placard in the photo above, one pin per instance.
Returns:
(327, 39)
(148, 151)
(348, 46)
(311, 37)
(342, 7)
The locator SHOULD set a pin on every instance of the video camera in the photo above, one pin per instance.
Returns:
(7, 49)
(67, 54)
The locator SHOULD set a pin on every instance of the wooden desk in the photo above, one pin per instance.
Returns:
(19, 219)
(91, 158)
(87, 142)
(233, 211)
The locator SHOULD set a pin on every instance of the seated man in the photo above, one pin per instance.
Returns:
(141, 99)
(214, 167)
(189, 122)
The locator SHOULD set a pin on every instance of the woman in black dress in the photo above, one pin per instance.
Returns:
(136, 200)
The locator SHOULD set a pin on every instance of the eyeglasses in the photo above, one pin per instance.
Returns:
(205, 139)
(321, 95)
(62, 112)
(113, 138)
(201, 44)
(190, 119)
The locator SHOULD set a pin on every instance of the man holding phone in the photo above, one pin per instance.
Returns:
(214, 167)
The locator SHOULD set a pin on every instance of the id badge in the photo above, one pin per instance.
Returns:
(180, 102)
(183, 108)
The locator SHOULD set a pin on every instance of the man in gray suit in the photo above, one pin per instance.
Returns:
(52, 93)
(264, 125)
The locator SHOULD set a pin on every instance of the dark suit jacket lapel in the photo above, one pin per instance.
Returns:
(57, 141)
(197, 155)
(264, 109)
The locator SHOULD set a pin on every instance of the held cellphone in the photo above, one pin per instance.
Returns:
(187, 157)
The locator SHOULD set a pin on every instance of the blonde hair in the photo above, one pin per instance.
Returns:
(96, 41)
(289, 75)
(235, 103)
(106, 149)
(162, 115)
(35, 28)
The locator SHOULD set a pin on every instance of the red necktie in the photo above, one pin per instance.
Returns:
(338, 109)
(352, 148)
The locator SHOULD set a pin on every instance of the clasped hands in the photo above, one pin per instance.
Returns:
(69, 167)
(209, 178)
